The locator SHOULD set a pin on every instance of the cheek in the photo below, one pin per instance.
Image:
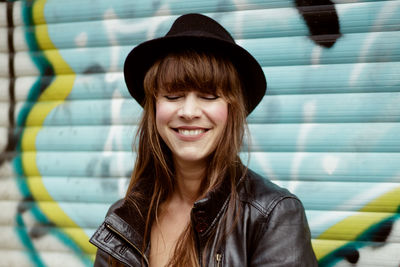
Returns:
(220, 113)
(162, 113)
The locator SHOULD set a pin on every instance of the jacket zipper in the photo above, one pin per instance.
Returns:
(218, 258)
(129, 242)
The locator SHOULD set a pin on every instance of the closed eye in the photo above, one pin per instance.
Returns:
(172, 97)
(209, 97)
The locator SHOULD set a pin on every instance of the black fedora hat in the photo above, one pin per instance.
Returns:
(196, 32)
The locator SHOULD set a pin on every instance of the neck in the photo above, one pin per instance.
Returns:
(189, 176)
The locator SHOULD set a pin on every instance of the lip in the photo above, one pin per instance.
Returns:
(185, 137)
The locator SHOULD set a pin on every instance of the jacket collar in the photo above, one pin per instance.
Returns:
(130, 220)
(207, 211)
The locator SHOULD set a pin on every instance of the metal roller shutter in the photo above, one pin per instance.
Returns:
(328, 128)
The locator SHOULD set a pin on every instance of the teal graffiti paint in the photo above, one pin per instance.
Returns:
(45, 69)
(85, 259)
(26, 240)
(374, 235)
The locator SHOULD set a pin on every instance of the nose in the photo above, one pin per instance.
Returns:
(190, 107)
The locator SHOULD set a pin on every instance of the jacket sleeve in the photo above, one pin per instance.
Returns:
(284, 239)
(101, 259)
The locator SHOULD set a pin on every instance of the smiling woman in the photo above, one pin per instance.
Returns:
(191, 125)
(192, 120)
(191, 202)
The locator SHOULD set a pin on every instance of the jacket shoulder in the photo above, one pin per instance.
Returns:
(115, 206)
(261, 193)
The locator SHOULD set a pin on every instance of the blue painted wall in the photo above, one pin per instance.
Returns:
(328, 128)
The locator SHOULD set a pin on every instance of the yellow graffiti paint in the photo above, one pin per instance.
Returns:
(58, 90)
(389, 202)
(324, 247)
(29, 163)
(39, 111)
(38, 12)
(28, 142)
(353, 226)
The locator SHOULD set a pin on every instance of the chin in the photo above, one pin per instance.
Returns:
(191, 157)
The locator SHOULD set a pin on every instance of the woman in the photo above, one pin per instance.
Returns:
(191, 202)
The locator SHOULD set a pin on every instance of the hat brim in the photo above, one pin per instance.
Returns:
(143, 56)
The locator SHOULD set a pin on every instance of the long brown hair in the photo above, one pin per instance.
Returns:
(201, 71)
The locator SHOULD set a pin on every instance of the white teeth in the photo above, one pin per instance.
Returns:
(191, 132)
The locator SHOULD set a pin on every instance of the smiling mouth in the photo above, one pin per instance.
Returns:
(187, 132)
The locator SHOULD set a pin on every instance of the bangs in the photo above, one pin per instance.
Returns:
(191, 70)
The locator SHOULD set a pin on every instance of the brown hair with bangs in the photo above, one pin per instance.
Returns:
(194, 70)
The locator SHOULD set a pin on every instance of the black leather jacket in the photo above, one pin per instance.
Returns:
(271, 230)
